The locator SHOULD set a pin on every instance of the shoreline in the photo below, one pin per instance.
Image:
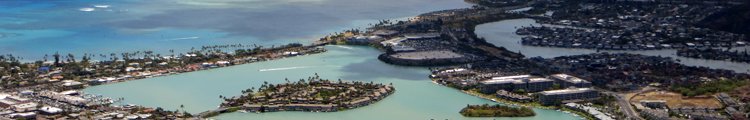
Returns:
(513, 103)
(315, 95)
(178, 73)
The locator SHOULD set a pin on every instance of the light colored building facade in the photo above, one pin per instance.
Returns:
(565, 81)
(525, 83)
(554, 97)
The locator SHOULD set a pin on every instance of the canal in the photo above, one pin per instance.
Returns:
(502, 34)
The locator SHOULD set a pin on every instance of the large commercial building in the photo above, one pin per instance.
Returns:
(526, 83)
(565, 81)
(554, 97)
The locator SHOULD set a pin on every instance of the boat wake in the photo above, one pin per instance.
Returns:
(284, 68)
(185, 38)
(345, 47)
(291, 68)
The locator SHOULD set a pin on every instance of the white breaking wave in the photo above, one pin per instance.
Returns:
(185, 38)
(87, 9)
(284, 68)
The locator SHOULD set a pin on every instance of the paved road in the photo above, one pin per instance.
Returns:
(625, 106)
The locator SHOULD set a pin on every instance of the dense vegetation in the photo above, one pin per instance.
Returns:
(498, 3)
(733, 20)
(708, 87)
(496, 111)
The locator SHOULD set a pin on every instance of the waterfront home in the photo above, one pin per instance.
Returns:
(521, 83)
(70, 84)
(252, 107)
(133, 69)
(271, 108)
(291, 53)
(359, 102)
(26, 115)
(207, 65)
(24, 107)
(7, 100)
(223, 63)
(569, 95)
(310, 107)
(565, 81)
(49, 110)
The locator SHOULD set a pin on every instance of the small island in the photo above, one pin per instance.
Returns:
(311, 95)
(496, 111)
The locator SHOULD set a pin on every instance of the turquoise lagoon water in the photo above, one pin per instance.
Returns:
(416, 97)
(32, 29)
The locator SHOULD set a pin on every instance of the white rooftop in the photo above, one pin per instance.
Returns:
(568, 78)
(49, 109)
(511, 77)
(566, 91)
(514, 79)
(69, 92)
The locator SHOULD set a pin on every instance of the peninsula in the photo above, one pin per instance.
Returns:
(311, 95)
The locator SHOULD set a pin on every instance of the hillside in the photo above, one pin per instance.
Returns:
(734, 19)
